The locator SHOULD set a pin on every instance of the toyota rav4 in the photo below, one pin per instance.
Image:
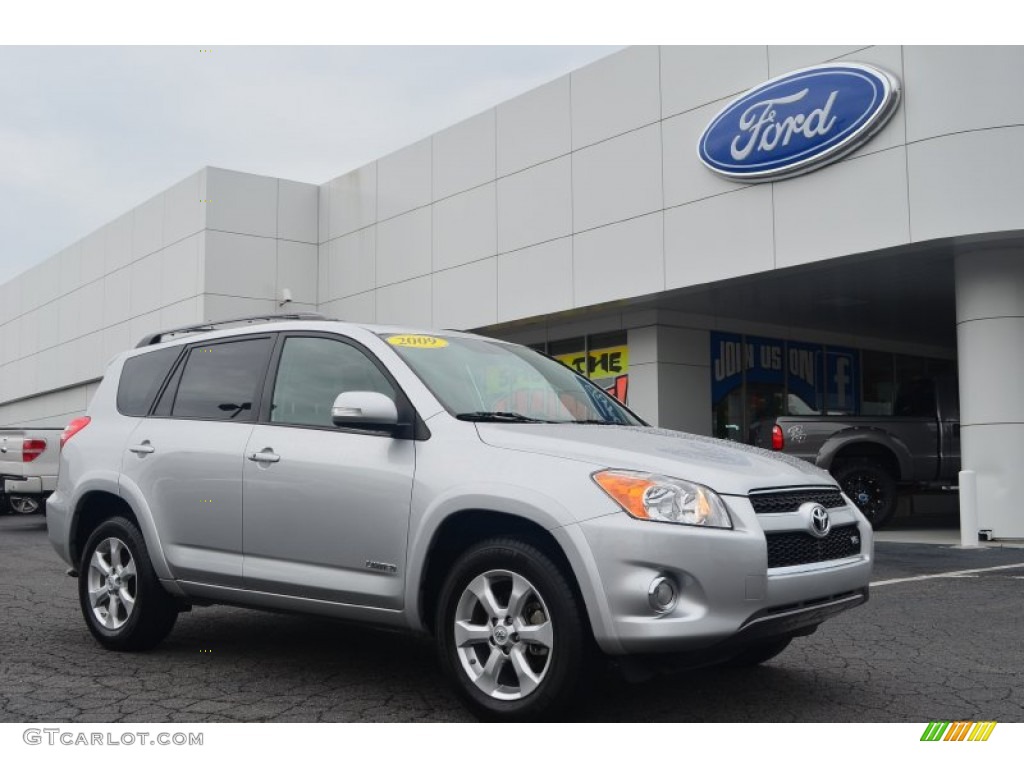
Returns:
(445, 483)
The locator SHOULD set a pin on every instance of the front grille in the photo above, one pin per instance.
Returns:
(790, 501)
(799, 548)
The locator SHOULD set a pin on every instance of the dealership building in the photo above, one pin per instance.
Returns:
(819, 250)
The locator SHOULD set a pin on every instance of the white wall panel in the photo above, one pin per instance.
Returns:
(117, 249)
(352, 263)
(535, 205)
(179, 269)
(147, 228)
(69, 308)
(785, 58)
(853, 206)
(615, 94)
(962, 88)
(535, 281)
(534, 127)
(144, 287)
(464, 155)
(718, 238)
(297, 271)
(404, 179)
(466, 297)
(297, 211)
(619, 261)
(117, 296)
(617, 179)
(90, 318)
(243, 203)
(967, 183)
(240, 265)
(403, 247)
(70, 261)
(352, 201)
(354, 309)
(184, 211)
(464, 228)
(694, 75)
(409, 303)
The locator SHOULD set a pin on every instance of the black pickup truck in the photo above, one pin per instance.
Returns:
(869, 456)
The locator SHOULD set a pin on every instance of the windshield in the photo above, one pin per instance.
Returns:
(484, 380)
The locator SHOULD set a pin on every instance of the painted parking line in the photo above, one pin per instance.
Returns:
(946, 575)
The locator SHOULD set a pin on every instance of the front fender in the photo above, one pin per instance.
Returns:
(525, 503)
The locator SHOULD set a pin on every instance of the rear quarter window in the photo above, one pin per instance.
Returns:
(141, 378)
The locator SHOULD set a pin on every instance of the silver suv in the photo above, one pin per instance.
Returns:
(444, 483)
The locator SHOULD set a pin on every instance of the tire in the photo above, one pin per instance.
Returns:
(115, 566)
(871, 487)
(24, 505)
(760, 652)
(519, 679)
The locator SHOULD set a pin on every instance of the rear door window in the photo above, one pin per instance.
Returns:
(222, 381)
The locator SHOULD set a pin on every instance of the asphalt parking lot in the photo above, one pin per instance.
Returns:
(947, 648)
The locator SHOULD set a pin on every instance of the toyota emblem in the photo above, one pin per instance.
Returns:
(820, 522)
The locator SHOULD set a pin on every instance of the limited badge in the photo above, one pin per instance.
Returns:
(417, 341)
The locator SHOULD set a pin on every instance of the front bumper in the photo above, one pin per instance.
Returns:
(726, 592)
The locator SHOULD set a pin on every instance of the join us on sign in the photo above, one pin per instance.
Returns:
(798, 122)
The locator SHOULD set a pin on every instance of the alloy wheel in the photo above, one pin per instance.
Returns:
(503, 635)
(112, 583)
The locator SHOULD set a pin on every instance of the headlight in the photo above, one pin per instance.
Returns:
(666, 499)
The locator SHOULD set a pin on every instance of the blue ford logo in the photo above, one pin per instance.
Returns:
(798, 122)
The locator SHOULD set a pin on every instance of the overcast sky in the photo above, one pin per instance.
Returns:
(87, 133)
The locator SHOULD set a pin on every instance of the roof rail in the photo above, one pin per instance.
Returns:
(156, 338)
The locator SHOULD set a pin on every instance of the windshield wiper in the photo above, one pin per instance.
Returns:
(507, 416)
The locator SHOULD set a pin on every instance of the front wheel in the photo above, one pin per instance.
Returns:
(871, 487)
(124, 605)
(510, 632)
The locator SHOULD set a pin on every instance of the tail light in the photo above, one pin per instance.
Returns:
(32, 449)
(72, 429)
(778, 441)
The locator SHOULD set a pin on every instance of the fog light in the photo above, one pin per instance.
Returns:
(662, 595)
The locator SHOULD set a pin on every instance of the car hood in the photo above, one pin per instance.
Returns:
(722, 465)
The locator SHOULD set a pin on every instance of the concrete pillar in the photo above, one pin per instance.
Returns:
(670, 377)
(990, 342)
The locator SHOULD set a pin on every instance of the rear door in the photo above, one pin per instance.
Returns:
(186, 456)
(326, 509)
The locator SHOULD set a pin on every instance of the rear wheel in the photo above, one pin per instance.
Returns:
(510, 632)
(124, 605)
(870, 486)
(24, 505)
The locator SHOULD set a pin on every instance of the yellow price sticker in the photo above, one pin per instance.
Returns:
(417, 341)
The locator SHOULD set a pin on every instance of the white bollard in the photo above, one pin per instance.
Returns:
(968, 509)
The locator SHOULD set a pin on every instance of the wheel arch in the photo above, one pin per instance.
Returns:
(882, 449)
(460, 530)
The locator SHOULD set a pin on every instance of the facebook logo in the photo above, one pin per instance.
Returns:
(841, 380)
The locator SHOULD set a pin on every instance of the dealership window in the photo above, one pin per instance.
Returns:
(603, 358)
(754, 380)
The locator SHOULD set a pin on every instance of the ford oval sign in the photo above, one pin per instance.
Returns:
(798, 122)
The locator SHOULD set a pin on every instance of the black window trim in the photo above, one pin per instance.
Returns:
(173, 379)
(411, 426)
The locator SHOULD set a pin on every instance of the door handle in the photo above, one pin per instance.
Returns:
(143, 449)
(266, 455)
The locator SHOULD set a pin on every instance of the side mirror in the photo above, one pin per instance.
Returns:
(365, 410)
